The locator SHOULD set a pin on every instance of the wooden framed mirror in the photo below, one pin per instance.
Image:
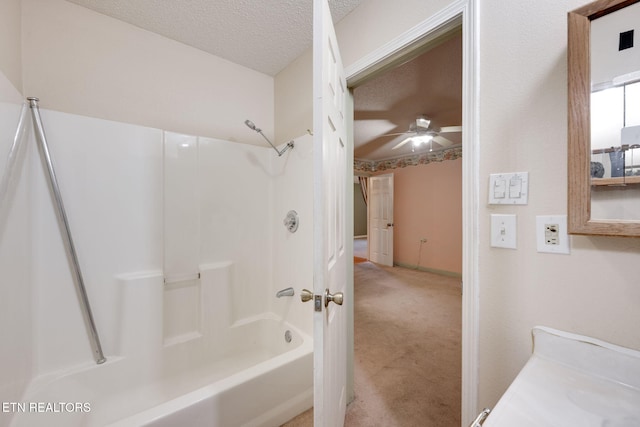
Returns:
(604, 119)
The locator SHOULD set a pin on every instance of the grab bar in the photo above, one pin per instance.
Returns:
(482, 416)
(66, 234)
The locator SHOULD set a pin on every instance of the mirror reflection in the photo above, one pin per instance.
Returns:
(615, 115)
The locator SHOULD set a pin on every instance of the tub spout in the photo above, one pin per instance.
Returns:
(288, 292)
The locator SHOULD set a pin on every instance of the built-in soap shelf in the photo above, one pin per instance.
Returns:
(200, 306)
(157, 314)
(180, 278)
(182, 313)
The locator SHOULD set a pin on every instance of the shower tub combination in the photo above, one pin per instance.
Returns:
(251, 372)
(183, 350)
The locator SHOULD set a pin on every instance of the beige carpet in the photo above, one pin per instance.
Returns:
(407, 350)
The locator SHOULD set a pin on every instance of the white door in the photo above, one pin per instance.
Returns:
(381, 219)
(329, 170)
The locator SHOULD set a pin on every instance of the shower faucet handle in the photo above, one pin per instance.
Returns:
(306, 295)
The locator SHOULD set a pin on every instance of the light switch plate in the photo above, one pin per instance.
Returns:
(551, 234)
(503, 231)
(509, 188)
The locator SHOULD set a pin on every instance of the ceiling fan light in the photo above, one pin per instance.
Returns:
(421, 139)
(422, 122)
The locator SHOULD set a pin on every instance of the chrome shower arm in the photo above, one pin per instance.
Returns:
(280, 152)
(252, 126)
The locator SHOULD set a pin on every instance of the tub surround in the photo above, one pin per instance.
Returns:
(127, 205)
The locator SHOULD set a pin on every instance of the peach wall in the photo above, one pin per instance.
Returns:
(428, 204)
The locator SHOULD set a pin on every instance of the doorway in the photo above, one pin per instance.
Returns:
(462, 14)
(407, 318)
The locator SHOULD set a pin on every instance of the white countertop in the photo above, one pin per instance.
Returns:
(572, 381)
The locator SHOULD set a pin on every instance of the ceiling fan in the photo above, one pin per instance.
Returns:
(423, 131)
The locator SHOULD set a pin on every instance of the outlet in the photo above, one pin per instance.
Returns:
(551, 234)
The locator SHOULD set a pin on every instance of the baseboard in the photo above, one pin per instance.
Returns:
(429, 270)
(360, 237)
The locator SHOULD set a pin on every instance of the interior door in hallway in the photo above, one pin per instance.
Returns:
(381, 219)
(329, 215)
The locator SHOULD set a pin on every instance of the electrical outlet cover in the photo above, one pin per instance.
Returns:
(562, 244)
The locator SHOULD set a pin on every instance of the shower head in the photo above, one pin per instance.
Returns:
(252, 126)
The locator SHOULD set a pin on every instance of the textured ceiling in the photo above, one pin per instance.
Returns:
(265, 35)
(429, 85)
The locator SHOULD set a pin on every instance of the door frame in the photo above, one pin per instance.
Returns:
(462, 13)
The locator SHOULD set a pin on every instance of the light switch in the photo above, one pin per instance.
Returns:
(499, 188)
(515, 187)
(509, 188)
(503, 231)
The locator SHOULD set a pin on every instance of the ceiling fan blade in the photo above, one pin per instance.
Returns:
(448, 129)
(396, 134)
(404, 141)
(444, 142)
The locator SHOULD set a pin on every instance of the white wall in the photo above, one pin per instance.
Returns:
(236, 218)
(376, 22)
(16, 349)
(110, 178)
(16, 344)
(607, 62)
(523, 126)
(10, 42)
(294, 99)
(293, 252)
(10, 52)
(79, 61)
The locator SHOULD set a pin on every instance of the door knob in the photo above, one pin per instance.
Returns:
(389, 224)
(306, 295)
(337, 298)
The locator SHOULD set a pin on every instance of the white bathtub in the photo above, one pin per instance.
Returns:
(249, 377)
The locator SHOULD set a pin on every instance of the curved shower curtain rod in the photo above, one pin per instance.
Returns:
(252, 126)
